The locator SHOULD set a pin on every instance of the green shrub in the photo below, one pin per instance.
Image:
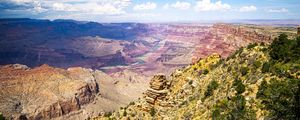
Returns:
(237, 52)
(263, 90)
(244, 71)
(125, 113)
(250, 46)
(266, 67)
(152, 111)
(233, 109)
(279, 47)
(239, 86)
(280, 69)
(264, 49)
(190, 82)
(132, 115)
(284, 49)
(257, 64)
(131, 103)
(205, 72)
(107, 114)
(281, 98)
(1, 116)
(210, 88)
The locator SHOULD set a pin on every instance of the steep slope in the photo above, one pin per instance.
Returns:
(252, 83)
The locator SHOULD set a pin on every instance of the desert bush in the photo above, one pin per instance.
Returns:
(210, 88)
(190, 82)
(125, 113)
(131, 103)
(152, 111)
(233, 109)
(244, 71)
(257, 64)
(239, 86)
(205, 71)
(250, 46)
(132, 115)
(266, 67)
(107, 114)
(237, 52)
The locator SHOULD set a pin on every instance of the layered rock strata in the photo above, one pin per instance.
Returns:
(158, 90)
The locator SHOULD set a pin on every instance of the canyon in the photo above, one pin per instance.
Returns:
(65, 69)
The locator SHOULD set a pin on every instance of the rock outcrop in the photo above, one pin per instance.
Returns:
(157, 91)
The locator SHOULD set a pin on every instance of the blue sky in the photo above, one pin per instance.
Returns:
(150, 10)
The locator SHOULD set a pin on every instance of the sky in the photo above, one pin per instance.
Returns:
(150, 10)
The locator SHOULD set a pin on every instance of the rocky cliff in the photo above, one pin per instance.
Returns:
(46, 92)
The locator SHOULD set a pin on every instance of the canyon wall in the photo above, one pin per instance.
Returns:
(44, 92)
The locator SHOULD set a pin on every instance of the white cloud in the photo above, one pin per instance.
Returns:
(250, 8)
(97, 8)
(63, 7)
(19, 1)
(207, 5)
(166, 6)
(103, 7)
(181, 5)
(145, 6)
(282, 10)
(94, 7)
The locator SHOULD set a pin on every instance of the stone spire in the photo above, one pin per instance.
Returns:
(157, 91)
